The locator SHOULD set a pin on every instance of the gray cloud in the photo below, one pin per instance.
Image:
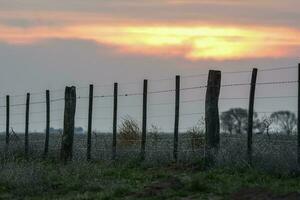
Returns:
(283, 13)
(53, 64)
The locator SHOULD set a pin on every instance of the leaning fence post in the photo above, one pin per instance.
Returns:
(115, 112)
(46, 148)
(27, 123)
(69, 124)
(7, 121)
(212, 121)
(144, 127)
(250, 115)
(90, 116)
(176, 124)
(298, 121)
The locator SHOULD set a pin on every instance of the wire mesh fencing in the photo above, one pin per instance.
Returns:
(274, 121)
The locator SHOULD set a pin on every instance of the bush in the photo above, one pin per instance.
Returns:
(129, 131)
(153, 134)
(197, 135)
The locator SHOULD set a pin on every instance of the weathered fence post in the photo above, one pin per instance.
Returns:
(298, 117)
(27, 124)
(115, 117)
(144, 127)
(69, 123)
(176, 124)
(46, 148)
(90, 119)
(250, 115)
(212, 121)
(7, 121)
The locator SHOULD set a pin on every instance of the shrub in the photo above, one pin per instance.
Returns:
(153, 134)
(197, 135)
(129, 131)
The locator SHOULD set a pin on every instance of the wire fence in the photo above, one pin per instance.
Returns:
(275, 92)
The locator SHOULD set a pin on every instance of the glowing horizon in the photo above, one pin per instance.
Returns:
(190, 42)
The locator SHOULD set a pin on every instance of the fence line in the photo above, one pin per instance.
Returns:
(114, 97)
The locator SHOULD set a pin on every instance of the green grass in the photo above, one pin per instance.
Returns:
(39, 179)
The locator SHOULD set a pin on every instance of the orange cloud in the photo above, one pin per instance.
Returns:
(190, 42)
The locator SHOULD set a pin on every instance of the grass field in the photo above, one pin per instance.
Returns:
(39, 179)
(274, 174)
(275, 153)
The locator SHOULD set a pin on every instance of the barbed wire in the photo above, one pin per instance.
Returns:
(277, 82)
(158, 91)
(32, 122)
(156, 80)
(151, 104)
(277, 68)
(235, 84)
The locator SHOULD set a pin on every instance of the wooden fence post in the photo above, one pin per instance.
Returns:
(7, 120)
(69, 124)
(90, 119)
(115, 118)
(212, 121)
(298, 117)
(27, 124)
(144, 127)
(176, 124)
(250, 115)
(46, 147)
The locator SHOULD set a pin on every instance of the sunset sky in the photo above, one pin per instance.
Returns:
(50, 44)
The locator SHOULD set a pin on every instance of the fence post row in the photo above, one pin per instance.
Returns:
(212, 121)
(250, 115)
(7, 120)
(115, 115)
(176, 124)
(298, 117)
(46, 148)
(144, 126)
(69, 123)
(27, 123)
(90, 116)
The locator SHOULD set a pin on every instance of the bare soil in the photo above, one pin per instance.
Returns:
(158, 188)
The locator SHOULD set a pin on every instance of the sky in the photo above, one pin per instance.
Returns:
(50, 44)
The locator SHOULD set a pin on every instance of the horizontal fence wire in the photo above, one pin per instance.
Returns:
(187, 115)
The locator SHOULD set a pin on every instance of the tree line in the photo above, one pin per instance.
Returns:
(235, 121)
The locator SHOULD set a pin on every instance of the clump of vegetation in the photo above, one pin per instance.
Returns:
(153, 134)
(285, 120)
(235, 121)
(197, 135)
(129, 131)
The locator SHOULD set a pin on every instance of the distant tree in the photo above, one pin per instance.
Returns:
(54, 130)
(227, 122)
(79, 130)
(264, 124)
(286, 120)
(234, 120)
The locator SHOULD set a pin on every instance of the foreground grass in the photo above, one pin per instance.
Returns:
(81, 180)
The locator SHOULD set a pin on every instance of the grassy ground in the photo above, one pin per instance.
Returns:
(21, 179)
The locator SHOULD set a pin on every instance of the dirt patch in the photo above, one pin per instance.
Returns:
(262, 194)
(158, 188)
